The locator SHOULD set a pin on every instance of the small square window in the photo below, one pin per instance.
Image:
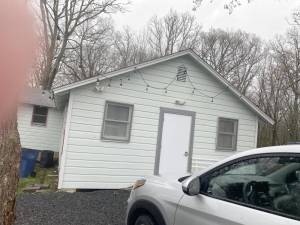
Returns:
(117, 121)
(39, 115)
(227, 134)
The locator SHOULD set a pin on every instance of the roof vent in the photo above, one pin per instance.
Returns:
(181, 73)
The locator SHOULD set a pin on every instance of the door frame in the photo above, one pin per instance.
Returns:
(159, 135)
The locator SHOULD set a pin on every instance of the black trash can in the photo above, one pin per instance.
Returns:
(47, 159)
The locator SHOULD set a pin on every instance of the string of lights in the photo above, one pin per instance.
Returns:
(165, 87)
(195, 89)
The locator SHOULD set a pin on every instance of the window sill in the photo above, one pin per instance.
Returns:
(38, 125)
(225, 149)
(106, 139)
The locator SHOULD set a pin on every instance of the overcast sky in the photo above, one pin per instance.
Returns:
(266, 18)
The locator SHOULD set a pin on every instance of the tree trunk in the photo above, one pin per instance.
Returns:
(9, 169)
(296, 115)
(294, 126)
(274, 135)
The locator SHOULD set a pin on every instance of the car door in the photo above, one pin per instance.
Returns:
(261, 189)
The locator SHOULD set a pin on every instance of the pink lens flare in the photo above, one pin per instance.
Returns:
(17, 47)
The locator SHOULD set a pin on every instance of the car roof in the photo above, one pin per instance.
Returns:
(273, 149)
(267, 150)
(293, 149)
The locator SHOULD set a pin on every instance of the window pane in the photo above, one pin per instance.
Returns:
(40, 119)
(40, 110)
(243, 170)
(271, 183)
(115, 129)
(225, 141)
(226, 126)
(117, 112)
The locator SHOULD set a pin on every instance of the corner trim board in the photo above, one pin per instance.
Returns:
(65, 145)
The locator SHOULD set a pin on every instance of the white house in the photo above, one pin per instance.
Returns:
(167, 116)
(39, 121)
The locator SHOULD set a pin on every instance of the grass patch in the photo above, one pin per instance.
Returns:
(42, 177)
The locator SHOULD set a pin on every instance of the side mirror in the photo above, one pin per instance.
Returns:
(191, 186)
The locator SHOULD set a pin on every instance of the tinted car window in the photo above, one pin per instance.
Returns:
(268, 183)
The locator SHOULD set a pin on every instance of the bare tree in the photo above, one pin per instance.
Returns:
(91, 51)
(271, 98)
(60, 20)
(296, 17)
(288, 55)
(173, 32)
(236, 55)
(9, 173)
(130, 48)
(229, 5)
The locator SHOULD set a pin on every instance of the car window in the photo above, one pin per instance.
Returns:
(246, 170)
(267, 183)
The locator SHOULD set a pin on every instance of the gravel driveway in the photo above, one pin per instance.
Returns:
(105, 207)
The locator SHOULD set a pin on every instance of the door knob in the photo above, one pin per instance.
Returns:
(186, 154)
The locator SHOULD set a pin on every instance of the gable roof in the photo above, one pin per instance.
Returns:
(36, 96)
(188, 52)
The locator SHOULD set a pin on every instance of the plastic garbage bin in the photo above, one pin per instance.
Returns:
(47, 159)
(28, 159)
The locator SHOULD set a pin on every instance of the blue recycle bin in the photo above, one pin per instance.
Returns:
(28, 159)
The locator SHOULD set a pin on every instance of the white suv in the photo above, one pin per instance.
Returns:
(260, 186)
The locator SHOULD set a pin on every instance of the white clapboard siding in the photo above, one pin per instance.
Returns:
(92, 163)
(39, 137)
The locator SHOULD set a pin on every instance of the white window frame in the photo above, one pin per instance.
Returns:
(234, 134)
(128, 122)
(33, 114)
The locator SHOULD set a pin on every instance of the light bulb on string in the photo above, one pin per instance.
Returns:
(147, 87)
(121, 82)
(193, 92)
(166, 90)
(212, 99)
(109, 83)
(98, 82)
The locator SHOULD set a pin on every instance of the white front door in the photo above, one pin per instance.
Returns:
(175, 143)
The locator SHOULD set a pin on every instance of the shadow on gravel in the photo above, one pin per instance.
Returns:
(105, 207)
